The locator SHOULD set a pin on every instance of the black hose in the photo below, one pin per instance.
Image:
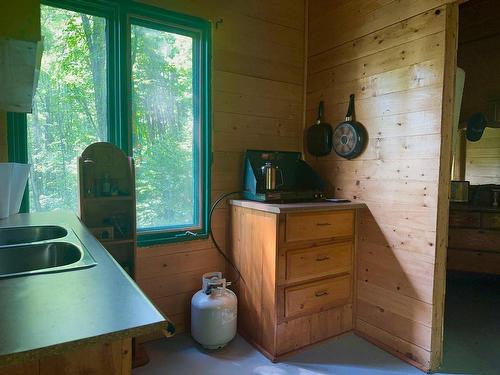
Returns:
(222, 197)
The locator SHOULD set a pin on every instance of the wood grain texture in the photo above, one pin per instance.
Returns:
(317, 296)
(278, 314)
(318, 261)
(443, 198)
(258, 86)
(392, 57)
(253, 250)
(315, 226)
(110, 358)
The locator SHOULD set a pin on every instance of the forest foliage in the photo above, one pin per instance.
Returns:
(70, 112)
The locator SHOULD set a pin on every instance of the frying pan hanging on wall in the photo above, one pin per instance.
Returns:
(319, 135)
(349, 137)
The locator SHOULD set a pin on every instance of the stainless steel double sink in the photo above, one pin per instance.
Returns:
(33, 249)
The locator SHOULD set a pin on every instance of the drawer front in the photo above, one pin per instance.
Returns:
(317, 296)
(319, 261)
(490, 220)
(465, 219)
(319, 225)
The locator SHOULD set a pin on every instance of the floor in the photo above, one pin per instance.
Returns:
(472, 346)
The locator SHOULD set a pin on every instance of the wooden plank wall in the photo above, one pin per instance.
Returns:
(479, 56)
(258, 89)
(391, 55)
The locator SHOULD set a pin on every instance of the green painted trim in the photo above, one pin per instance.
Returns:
(200, 31)
(17, 143)
(119, 15)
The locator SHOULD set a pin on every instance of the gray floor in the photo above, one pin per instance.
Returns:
(472, 346)
(472, 325)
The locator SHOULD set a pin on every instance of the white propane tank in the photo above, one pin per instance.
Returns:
(213, 312)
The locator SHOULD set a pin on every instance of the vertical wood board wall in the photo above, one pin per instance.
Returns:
(258, 89)
(391, 55)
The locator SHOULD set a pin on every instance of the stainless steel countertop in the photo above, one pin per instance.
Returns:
(48, 313)
(293, 207)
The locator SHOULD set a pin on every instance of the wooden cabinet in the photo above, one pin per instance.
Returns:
(474, 239)
(107, 200)
(110, 358)
(296, 285)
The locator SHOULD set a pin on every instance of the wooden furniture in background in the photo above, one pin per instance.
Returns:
(474, 239)
(110, 358)
(296, 285)
(107, 200)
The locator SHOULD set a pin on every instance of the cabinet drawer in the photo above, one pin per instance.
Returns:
(319, 261)
(317, 296)
(318, 225)
(464, 219)
(490, 220)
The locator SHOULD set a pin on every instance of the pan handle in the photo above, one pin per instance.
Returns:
(321, 110)
(350, 110)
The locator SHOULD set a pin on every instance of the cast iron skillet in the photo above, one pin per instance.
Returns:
(319, 135)
(349, 137)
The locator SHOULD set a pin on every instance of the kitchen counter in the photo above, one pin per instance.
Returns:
(47, 314)
(294, 207)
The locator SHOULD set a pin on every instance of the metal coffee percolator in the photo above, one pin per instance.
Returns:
(270, 173)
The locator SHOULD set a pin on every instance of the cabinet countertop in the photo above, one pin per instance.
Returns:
(294, 207)
(46, 314)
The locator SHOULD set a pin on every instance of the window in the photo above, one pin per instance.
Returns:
(70, 106)
(133, 75)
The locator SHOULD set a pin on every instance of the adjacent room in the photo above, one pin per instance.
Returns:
(249, 187)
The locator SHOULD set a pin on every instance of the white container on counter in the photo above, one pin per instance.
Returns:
(13, 179)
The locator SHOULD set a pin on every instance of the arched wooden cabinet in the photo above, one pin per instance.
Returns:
(107, 200)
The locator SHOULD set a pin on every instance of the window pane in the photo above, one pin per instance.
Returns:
(165, 133)
(70, 110)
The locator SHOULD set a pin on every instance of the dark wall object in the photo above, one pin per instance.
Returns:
(475, 127)
(319, 135)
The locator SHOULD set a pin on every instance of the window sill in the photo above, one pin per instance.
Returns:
(147, 240)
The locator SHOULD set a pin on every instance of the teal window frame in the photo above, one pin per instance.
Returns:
(119, 15)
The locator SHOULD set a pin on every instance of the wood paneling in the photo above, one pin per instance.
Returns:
(254, 238)
(258, 88)
(391, 55)
(110, 358)
(479, 56)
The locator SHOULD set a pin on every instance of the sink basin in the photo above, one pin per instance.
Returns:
(42, 258)
(18, 235)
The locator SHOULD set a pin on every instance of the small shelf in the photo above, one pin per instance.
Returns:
(109, 198)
